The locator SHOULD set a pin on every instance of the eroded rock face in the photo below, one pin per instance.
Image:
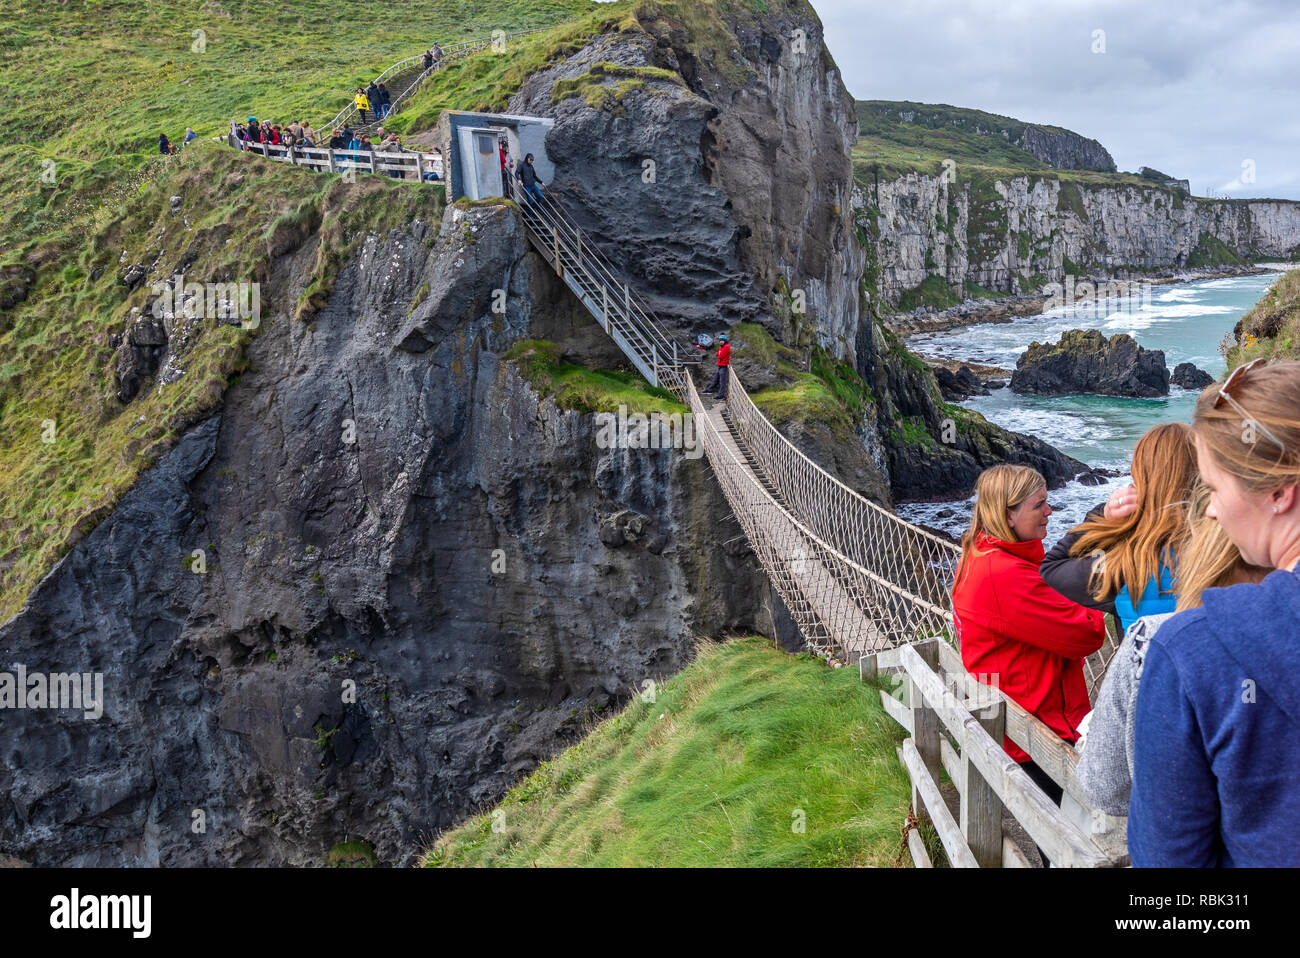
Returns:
(748, 196)
(409, 595)
(1085, 361)
(1029, 231)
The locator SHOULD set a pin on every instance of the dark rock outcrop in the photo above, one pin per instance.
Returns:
(736, 210)
(937, 453)
(382, 585)
(1189, 376)
(959, 385)
(1085, 361)
(1065, 150)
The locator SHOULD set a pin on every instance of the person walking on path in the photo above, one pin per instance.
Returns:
(528, 179)
(1216, 759)
(718, 386)
(1010, 624)
(362, 103)
(1122, 558)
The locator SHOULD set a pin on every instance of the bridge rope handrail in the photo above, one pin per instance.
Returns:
(835, 600)
(916, 561)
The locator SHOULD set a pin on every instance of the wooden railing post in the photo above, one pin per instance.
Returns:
(925, 725)
(555, 238)
(604, 305)
(981, 809)
(334, 165)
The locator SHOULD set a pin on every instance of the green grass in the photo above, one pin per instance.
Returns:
(587, 390)
(56, 363)
(606, 85)
(734, 752)
(755, 343)
(933, 292)
(352, 854)
(94, 78)
(830, 391)
(1272, 327)
(487, 80)
(1212, 251)
(945, 131)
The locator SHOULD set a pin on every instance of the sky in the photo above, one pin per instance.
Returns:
(1203, 91)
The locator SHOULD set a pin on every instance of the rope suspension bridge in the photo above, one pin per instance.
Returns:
(855, 577)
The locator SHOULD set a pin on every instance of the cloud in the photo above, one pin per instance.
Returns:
(1192, 87)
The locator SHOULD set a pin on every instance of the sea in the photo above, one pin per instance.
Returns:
(1187, 320)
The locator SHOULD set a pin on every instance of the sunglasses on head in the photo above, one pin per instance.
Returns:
(1239, 374)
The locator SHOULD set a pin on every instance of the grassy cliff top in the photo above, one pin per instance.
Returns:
(94, 78)
(72, 449)
(889, 147)
(746, 758)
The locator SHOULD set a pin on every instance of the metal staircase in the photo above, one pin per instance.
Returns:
(613, 303)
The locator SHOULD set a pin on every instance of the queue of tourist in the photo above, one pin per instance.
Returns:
(1193, 734)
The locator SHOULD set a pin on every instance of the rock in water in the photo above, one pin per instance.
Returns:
(959, 385)
(1190, 376)
(1085, 361)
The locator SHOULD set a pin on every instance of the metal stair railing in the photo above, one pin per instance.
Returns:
(621, 311)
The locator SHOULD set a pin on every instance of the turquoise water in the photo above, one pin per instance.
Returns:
(1186, 320)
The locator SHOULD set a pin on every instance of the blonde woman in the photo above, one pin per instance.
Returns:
(1216, 758)
(1209, 561)
(1010, 623)
(1123, 560)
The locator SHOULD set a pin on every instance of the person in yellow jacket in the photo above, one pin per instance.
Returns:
(362, 102)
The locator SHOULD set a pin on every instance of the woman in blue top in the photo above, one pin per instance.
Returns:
(1121, 559)
(1216, 756)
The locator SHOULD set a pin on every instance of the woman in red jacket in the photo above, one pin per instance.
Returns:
(1014, 630)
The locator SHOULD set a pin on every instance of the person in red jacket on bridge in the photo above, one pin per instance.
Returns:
(718, 387)
(1014, 630)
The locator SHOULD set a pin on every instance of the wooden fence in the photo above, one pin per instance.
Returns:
(407, 165)
(956, 724)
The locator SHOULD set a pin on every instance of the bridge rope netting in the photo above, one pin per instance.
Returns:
(854, 577)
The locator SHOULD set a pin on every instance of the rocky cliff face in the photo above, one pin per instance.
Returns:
(725, 186)
(375, 590)
(1026, 231)
(1065, 150)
